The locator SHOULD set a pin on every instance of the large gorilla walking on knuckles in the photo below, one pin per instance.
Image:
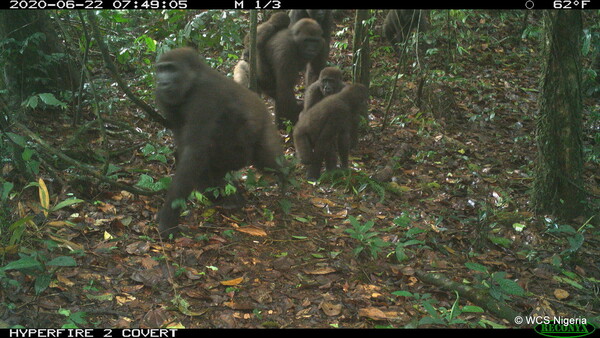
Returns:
(218, 125)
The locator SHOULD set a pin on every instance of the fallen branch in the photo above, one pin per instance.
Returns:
(89, 170)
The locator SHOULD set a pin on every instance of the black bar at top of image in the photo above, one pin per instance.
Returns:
(299, 4)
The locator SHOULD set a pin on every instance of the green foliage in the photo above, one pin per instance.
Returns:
(40, 72)
(17, 150)
(147, 182)
(12, 233)
(356, 182)
(74, 319)
(403, 247)
(367, 239)
(6, 194)
(37, 265)
(48, 100)
(574, 237)
(213, 29)
(496, 283)
(154, 153)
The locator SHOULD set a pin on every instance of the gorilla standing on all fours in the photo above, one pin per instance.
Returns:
(218, 125)
(325, 19)
(284, 55)
(329, 128)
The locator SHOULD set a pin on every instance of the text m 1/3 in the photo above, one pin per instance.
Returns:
(266, 4)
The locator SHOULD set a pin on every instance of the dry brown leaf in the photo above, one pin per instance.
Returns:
(64, 280)
(138, 248)
(232, 282)
(124, 299)
(252, 230)
(320, 271)
(107, 207)
(11, 249)
(148, 262)
(69, 244)
(58, 224)
(331, 309)
(373, 313)
(154, 318)
(321, 202)
(561, 294)
(343, 214)
(192, 273)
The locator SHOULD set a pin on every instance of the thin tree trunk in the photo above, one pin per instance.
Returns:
(253, 68)
(361, 61)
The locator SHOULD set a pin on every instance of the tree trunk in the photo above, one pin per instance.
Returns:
(558, 186)
(360, 60)
(253, 59)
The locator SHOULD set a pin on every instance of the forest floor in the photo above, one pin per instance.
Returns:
(456, 203)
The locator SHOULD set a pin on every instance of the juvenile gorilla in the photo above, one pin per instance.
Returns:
(280, 61)
(325, 19)
(264, 31)
(218, 125)
(330, 82)
(328, 128)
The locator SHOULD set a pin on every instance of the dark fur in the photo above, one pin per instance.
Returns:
(284, 55)
(266, 30)
(330, 82)
(325, 19)
(328, 128)
(218, 125)
(400, 22)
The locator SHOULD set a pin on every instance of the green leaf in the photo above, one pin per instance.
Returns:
(78, 318)
(26, 262)
(51, 100)
(31, 102)
(400, 254)
(503, 242)
(42, 282)
(402, 294)
(148, 149)
(472, 308)
(17, 229)
(414, 231)
(511, 287)
(410, 242)
(402, 221)
(66, 203)
(62, 261)
(476, 267)
(6, 188)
